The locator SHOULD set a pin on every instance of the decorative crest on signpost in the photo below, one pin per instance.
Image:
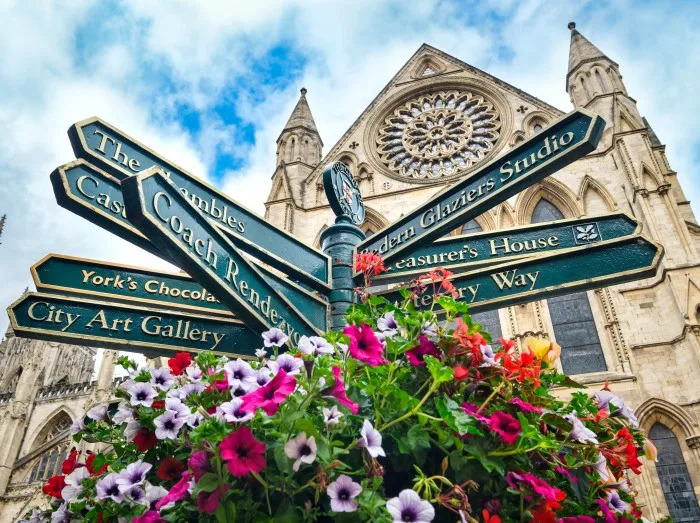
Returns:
(343, 193)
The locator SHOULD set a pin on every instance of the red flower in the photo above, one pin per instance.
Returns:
(339, 393)
(54, 486)
(507, 344)
(170, 469)
(70, 463)
(460, 372)
(369, 263)
(89, 464)
(209, 501)
(523, 367)
(145, 440)
(158, 404)
(576, 519)
(200, 463)
(440, 277)
(270, 396)
(624, 455)
(242, 452)
(425, 348)
(364, 345)
(179, 363)
(506, 426)
(488, 518)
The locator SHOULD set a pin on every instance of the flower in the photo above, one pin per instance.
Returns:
(576, 519)
(200, 463)
(142, 394)
(543, 350)
(616, 503)
(286, 362)
(260, 353)
(331, 416)
(124, 414)
(369, 263)
(269, 397)
(301, 449)
(488, 358)
(78, 425)
(429, 330)
(179, 363)
(145, 440)
(136, 495)
(150, 516)
(506, 426)
(472, 410)
(409, 506)
(315, 345)
(194, 373)
(579, 432)
(89, 464)
(161, 378)
(371, 439)
(107, 488)
(425, 347)
(178, 492)
(240, 374)
(74, 481)
(62, 515)
(168, 425)
(387, 323)
(98, 413)
(176, 406)
(525, 406)
(537, 485)
(606, 398)
(133, 474)
(488, 517)
(70, 463)
(232, 412)
(37, 517)
(170, 469)
(54, 486)
(208, 502)
(650, 451)
(242, 452)
(339, 393)
(343, 492)
(262, 376)
(602, 468)
(364, 345)
(274, 337)
(460, 372)
(194, 419)
(154, 493)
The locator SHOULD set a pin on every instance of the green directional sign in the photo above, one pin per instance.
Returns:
(563, 142)
(469, 251)
(97, 197)
(543, 276)
(98, 142)
(177, 227)
(127, 327)
(68, 275)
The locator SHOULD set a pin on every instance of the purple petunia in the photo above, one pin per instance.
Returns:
(142, 394)
(168, 425)
(107, 488)
(133, 474)
(488, 358)
(302, 449)
(409, 506)
(616, 503)
(388, 324)
(161, 378)
(579, 432)
(286, 362)
(331, 416)
(240, 374)
(315, 345)
(98, 413)
(231, 411)
(136, 495)
(606, 398)
(74, 482)
(371, 439)
(176, 406)
(274, 337)
(263, 376)
(343, 492)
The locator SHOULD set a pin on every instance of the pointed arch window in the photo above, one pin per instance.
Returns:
(294, 143)
(572, 318)
(673, 474)
(600, 81)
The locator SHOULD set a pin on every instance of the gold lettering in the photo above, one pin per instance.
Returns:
(79, 184)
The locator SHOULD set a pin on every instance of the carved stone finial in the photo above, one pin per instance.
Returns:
(303, 91)
(572, 25)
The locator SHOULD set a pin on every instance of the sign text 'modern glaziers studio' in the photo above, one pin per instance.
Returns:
(565, 141)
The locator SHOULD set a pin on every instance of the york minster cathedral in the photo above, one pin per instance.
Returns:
(437, 120)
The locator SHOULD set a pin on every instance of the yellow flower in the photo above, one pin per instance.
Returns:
(543, 350)
(554, 353)
(650, 451)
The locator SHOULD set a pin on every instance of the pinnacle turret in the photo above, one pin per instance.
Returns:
(581, 50)
(301, 117)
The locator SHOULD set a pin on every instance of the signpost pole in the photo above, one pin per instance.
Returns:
(338, 242)
(341, 238)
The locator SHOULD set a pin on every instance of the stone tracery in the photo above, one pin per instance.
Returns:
(442, 134)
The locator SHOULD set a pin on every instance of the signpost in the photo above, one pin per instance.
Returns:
(175, 225)
(563, 142)
(99, 143)
(469, 251)
(97, 197)
(67, 275)
(540, 277)
(127, 327)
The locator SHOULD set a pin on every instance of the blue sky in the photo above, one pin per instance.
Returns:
(210, 85)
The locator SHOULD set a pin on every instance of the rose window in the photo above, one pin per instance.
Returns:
(439, 134)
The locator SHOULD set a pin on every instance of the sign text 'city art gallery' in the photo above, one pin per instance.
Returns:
(172, 222)
(98, 142)
(563, 142)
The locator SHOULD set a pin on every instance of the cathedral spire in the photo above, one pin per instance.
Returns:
(301, 116)
(2, 225)
(299, 141)
(582, 50)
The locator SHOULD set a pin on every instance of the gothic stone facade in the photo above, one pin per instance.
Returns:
(435, 121)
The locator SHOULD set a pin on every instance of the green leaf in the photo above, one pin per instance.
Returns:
(456, 418)
(438, 371)
(491, 464)
(208, 482)
(565, 381)
(418, 438)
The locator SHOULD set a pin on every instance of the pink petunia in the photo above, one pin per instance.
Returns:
(242, 452)
(537, 485)
(270, 396)
(525, 406)
(506, 426)
(178, 492)
(209, 501)
(200, 463)
(364, 345)
(472, 409)
(424, 348)
(150, 516)
(339, 393)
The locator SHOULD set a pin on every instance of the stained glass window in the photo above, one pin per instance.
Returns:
(572, 318)
(673, 475)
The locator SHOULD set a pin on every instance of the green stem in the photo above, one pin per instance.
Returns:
(512, 452)
(491, 396)
(429, 416)
(414, 410)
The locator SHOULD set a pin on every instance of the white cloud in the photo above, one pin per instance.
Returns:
(54, 74)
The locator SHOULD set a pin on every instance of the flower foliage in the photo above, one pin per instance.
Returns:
(402, 416)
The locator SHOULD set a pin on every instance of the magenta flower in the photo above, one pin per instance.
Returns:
(242, 452)
(150, 516)
(537, 485)
(524, 406)
(576, 519)
(178, 492)
(208, 502)
(200, 463)
(269, 397)
(339, 393)
(424, 348)
(364, 345)
(472, 409)
(343, 492)
(506, 426)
